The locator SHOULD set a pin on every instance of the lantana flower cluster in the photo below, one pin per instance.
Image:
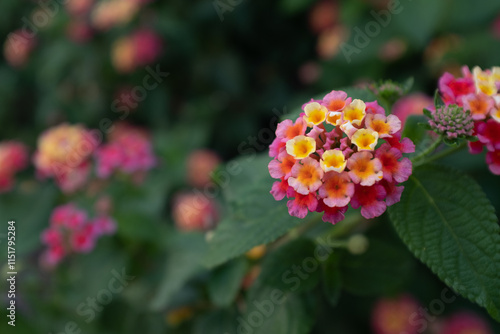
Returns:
(478, 93)
(338, 152)
(129, 151)
(65, 153)
(71, 231)
(13, 158)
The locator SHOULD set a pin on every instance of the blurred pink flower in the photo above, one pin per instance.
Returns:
(495, 27)
(13, 158)
(323, 15)
(412, 104)
(200, 165)
(63, 153)
(18, 47)
(138, 49)
(70, 230)
(147, 45)
(79, 7)
(129, 151)
(194, 212)
(465, 323)
(392, 316)
(79, 31)
(111, 13)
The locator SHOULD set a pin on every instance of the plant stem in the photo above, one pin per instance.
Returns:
(445, 153)
(427, 151)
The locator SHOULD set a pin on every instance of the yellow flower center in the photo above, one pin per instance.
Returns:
(315, 113)
(300, 147)
(355, 112)
(333, 118)
(333, 160)
(308, 175)
(365, 139)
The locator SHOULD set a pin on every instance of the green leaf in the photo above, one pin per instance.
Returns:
(292, 267)
(255, 217)
(414, 131)
(388, 266)
(225, 282)
(449, 224)
(438, 101)
(182, 263)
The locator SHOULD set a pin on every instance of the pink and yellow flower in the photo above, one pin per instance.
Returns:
(63, 153)
(485, 81)
(355, 112)
(287, 129)
(488, 133)
(363, 169)
(280, 189)
(493, 161)
(325, 168)
(483, 102)
(337, 189)
(479, 105)
(282, 166)
(301, 147)
(302, 204)
(331, 215)
(495, 114)
(370, 199)
(333, 160)
(306, 176)
(315, 114)
(336, 100)
(365, 139)
(393, 167)
(384, 126)
(452, 89)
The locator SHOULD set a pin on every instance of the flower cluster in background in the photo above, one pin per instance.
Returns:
(64, 153)
(13, 158)
(330, 157)
(85, 19)
(404, 314)
(138, 49)
(129, 151)
(71, 231)
(478, 93)
(193, 210)
(72, 155)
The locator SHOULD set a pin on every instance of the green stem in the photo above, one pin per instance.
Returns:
(427, 151)
(444, 153)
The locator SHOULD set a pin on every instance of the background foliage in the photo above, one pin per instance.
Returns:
(228, 79)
